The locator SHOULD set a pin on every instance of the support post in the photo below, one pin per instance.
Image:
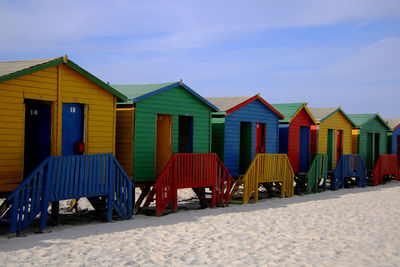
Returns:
(46, 197)
(111, 190)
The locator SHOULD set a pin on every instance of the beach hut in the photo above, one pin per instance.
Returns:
(333, 134)
(156, 121)
(243, 127)
(369, 138)
(53, 107)
(394, 136)
(294, 134)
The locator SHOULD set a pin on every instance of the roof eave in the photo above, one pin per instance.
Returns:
(304, 105)
(251, 99)
(32, 69)
(165, 88)
(96, 80)
(70, 64)
(353, 124)
(384, 122)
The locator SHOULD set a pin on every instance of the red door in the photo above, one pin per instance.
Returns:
(339, 149)
(260, 138)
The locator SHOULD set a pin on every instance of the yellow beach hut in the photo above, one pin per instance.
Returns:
(333, 134)
(51, 106)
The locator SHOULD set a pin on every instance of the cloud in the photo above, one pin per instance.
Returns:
(207, 44)
(375, 63)
(138, 26)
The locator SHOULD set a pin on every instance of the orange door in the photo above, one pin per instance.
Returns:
(163, 141)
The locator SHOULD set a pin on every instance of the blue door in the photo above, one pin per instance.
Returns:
(72, 128)
(37, 134)
(304, 155)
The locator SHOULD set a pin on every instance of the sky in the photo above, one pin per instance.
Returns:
(327, 53)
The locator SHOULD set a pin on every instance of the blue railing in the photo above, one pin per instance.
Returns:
(349, 166)
(123, 194)
(68, 177)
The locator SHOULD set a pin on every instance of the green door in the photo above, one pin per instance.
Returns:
(245, 147)
(330, 149)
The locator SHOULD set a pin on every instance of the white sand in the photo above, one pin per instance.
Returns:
(350, 227)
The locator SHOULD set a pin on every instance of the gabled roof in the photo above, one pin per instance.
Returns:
(290, 111)
(321, 114)
(361, 119)
(228, 105)
(13, 69)
(393, 123)
(136, 93)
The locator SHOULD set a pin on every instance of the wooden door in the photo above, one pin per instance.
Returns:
(304, 150)
(72, 128)
(339, 146)
(376, 147)
(244, 147)
(260, 138)
(163, 141)
(370, 151)
(185, 134)
(37, 134)
(330, 149)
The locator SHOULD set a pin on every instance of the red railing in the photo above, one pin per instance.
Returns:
(191, 171)
(386, 165)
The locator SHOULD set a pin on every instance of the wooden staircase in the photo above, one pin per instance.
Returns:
(385, 165)
(197, 171)
(349, 166)
(68, 177)
(316, 174)
(274, 169)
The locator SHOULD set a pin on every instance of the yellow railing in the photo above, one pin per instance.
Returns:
(267, 168)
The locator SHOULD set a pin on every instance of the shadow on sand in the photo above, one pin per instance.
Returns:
(83, 224)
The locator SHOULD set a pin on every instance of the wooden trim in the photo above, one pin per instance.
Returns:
(23, 143)
(69, 63)
(114, 124)
(32, 69)
(307, 111)
(94, 79)
(168, 87)
(86, 119)
(59, 111)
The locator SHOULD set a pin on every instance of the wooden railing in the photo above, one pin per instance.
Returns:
(386, 165)
(191, 171)
(26, 199)
(69, 177)
(267, 168)
(349, 166)
(317, 171)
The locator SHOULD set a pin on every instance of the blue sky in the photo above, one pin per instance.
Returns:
(327, 53)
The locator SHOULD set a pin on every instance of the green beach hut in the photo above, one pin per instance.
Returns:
(156, 121)
(369, 138)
